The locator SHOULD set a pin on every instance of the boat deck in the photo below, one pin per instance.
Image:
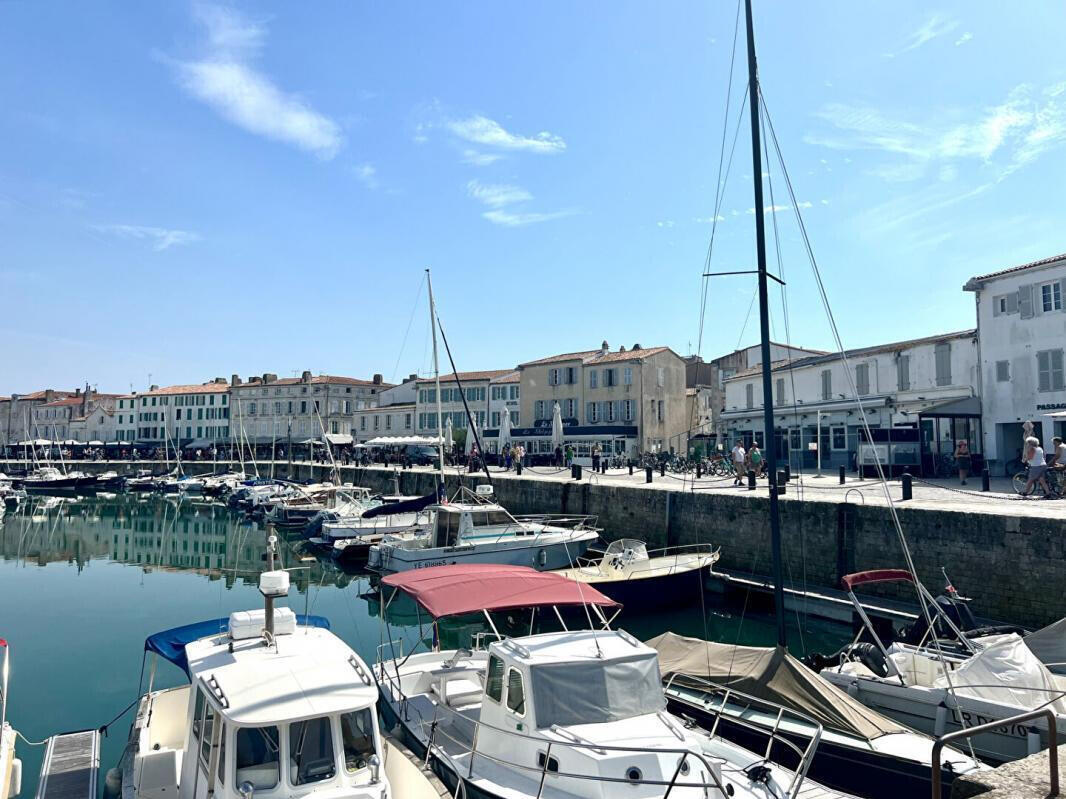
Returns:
(70, 767)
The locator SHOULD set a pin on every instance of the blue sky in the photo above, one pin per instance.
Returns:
(191, 189)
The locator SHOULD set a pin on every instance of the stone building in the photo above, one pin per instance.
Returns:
(627, 401)
(1021, 333)
(196, 415)
(17, 417)
(60, 419)
(481, 398)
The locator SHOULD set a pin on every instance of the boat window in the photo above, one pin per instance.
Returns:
(516, 695)
(491, 517)
(311, 751)
(257, 756)
(596, 692)
(494, 683)
(198, 714)
(447, 529)
(222, 755)
(205, 742)
(357, 734)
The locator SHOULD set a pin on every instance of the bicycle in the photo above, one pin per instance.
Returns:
(1056, 480)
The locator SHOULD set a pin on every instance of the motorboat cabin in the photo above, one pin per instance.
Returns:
(281, 709)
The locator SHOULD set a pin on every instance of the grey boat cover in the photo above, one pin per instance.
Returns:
(771, 674)
(1049, 645)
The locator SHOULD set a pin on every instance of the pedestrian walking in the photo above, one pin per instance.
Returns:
(559, 456)
(596, 454)
(757, 461)
(962, 459)
(739, 456)
(569, 453)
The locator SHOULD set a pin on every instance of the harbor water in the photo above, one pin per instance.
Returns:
(83, 581)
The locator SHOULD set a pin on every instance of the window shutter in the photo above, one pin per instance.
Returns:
(1012, 303)
(995, 306)
(1025, 302)
(1056, 370)
(1062, 293)
(590, 412)
(903, 368)
(1043, 371)
(943, 364)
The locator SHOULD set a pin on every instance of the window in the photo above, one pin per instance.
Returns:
(660, 377)
(494, 681)
(516, 695)
(943, 364)
(1049, 370)
(1051, 297)
(377, 422)
(611, 413)
(627, 410)
(794, 436)
(571, 409)
(1002, 371)
(514, 392)
(862, 379)
(610, 377)
(903, 372)
(208, 731)
(661, 411)
(749, 396)
(303, 406)
(495, 418)
(827, 384)
(538, 409)
(591, 413)
(627, 376)
(592, 378)
(388, 422)
(407, 421)
(840, 438)
(197, 719)
(311, 751)
(257, 757)
(780, 391)
(357, 738)
(553, 377)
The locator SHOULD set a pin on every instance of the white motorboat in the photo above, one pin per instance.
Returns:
(571, 713)
(940, 685)
(474, 530)
(728, 687)
(10, 765)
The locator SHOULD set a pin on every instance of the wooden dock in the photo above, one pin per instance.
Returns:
(71, 765)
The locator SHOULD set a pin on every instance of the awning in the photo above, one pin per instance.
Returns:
(967, 406)
(199, 442)
(170, 644)
(788, 413)
(455, 590)
(96, 443)
(400, 441)
(771, 674)
(338, 438)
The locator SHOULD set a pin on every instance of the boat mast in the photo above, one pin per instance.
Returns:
(436, 377)
(769, 444)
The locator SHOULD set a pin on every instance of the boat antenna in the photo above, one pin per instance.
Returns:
(770, 453)
(436, 379)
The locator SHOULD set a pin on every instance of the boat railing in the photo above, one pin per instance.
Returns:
(433, 731)
(575, 521)
(725, 695)
(991, 726)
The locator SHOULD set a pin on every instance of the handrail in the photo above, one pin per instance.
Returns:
(969, 732)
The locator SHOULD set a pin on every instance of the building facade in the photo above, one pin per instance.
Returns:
(476, 387)
(1021, 326)
(306, 408)
(17, 414)
(60, 419)
(922, 393)
(626, 401)
(196, 415)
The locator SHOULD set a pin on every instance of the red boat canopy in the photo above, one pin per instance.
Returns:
(875, 576)
(458, 589)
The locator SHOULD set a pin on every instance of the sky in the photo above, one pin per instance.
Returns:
(191, 190)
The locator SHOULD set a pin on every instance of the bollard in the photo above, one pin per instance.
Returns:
(603, 466)
(751, 480)
(908, 490)
(518, 468)
(985, 478)
(782, 478)
(630, 467)
(788, 472)
(842, 475)
(662, 468)
(699, 470)
(647, 474)
(575, 471)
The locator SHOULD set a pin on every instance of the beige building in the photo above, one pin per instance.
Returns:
(185, 415)
(480, 398)
(17, 417)
(61, 419)
(627, 401)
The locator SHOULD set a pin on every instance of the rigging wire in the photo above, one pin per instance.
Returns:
(410, 321)
(863, 419)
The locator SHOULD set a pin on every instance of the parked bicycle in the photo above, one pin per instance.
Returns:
(1056, 480)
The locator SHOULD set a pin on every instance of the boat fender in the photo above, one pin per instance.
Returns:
(113, 782)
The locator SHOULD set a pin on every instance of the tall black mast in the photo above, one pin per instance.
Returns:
(769, 444)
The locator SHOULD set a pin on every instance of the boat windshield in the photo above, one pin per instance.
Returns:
(485, 518)
(595, 692)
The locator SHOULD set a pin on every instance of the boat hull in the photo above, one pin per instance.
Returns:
(657, 592)
(543, 555)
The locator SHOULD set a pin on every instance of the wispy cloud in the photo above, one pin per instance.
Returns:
(776, 209)
(937, 25)
(480, 159)
(1003, 137)
(496, 195)
(226, 80)
(367, 174)
(490, 133)
(963, 39)
(160, 238)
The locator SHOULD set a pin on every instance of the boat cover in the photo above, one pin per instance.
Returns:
(1049, 644)
(467, 588)
(407, 506)
(773, 675)
(1006, 671)
(594, 692)
(170, 644)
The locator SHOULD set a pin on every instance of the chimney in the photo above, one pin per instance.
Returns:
(377, 380)
(153, 388)
(636, 346)
(77, 392)
(622, 348)
(219, 381)
(254, 379)
(49, 395)
(235, 380)
(604, 347)
(305, 377)
(269, 378)
(411, 377)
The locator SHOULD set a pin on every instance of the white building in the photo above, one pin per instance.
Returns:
(923, 390)
(394, 415)
(480, 398)
(196, 415)
(17, 414)
(60, 419)
(1021, 326)
(97, 425)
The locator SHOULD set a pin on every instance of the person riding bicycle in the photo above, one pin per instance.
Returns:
(1034, 457)
(1058, 457)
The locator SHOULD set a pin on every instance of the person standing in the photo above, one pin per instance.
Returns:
(962, 459)
(739, 460)
(755, 456)
(596, 453)
(569, 454)
(1034, 457)
(559, 456)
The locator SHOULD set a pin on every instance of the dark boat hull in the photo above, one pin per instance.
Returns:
(656, 593)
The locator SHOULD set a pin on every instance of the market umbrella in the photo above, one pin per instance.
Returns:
(470, 442)
(449, 437)
(505, 429)
(557, 426)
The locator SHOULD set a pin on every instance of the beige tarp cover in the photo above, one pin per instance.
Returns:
(773, 675)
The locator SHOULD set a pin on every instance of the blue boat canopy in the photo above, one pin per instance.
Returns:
(407, 506)
(170, 644)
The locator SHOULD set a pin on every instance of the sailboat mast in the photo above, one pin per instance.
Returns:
(436, 376)
(769, 444)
